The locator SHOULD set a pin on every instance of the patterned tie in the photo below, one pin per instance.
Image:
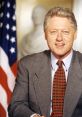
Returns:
(59, 86)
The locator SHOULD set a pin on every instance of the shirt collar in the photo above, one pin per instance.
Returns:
(66, 60)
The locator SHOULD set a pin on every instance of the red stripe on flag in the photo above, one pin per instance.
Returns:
(14, 68)
(2, 111)
(3, 82)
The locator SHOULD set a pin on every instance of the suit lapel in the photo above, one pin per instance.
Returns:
(74, 87)
(42, 86)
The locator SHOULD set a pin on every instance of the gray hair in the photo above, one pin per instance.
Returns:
(60, 12)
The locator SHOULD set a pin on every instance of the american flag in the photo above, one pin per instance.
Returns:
(8, 53)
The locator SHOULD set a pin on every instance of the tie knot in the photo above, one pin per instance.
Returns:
(59, 63)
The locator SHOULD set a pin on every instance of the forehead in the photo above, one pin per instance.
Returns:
(56, 19)
(59, 22)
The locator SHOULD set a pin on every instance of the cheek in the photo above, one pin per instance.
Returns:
(68, 46)
(50, 42)
(70, 43)
(50, 39)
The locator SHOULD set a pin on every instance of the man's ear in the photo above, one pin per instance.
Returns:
(75, 35)
(45, 35)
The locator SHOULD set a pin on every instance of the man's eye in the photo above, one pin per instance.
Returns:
(66, 32)
(53, 32)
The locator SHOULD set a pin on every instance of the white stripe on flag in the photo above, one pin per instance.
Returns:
(5, 66)
(3, 99)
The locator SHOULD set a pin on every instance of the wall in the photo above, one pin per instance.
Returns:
(77, 9)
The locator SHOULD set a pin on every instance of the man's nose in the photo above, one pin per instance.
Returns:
(59, 36)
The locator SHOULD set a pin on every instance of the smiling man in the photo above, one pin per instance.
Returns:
(49, 83)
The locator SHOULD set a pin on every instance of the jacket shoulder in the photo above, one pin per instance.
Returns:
(36, 59)
(79, 56)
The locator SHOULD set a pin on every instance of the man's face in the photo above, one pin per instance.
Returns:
(60, 35)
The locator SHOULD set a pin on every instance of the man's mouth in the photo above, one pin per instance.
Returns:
(59, 45)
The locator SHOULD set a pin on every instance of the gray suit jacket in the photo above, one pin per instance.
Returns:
(32, 93)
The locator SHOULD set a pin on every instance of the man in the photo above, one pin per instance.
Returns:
(33, 93)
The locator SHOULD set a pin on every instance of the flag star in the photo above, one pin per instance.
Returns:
(8, 4)
(8, 15)
(7, 36)
(7, 26)
(12, 50)
(12, 39)
(1, 14)
(14, 18)
(14, 6)
(14, 28)
(1, 25)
